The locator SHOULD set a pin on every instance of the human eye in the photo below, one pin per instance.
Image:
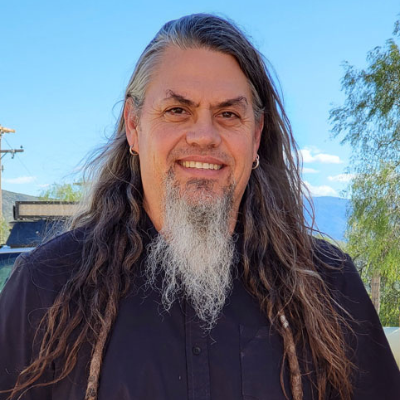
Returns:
(176, 111)
(229, 115)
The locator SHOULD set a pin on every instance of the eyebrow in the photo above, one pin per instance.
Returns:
(237, 101)
(179, 98)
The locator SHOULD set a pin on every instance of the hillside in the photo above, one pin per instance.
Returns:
(331, 215)
(9, 199)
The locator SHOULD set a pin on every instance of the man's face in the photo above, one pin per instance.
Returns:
(197, 124)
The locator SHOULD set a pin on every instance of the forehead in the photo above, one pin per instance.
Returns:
(202, 75)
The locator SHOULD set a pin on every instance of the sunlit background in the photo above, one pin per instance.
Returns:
(64, 66)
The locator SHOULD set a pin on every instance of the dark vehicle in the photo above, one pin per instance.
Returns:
(34, 221)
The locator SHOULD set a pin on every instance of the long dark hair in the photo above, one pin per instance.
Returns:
(279, 254)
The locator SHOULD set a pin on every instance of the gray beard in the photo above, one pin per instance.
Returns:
(194, 251)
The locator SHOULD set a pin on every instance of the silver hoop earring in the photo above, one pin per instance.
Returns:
(257, 162)
(133, 152)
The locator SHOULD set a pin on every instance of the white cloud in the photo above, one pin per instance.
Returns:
(306, 155)
(20, 180)
(310, 171)
(341, 178)
(312, 155)
(323, 190)
(328, 159)
(44, 185)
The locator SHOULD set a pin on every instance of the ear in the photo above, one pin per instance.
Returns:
(131, 124)
(257, 136)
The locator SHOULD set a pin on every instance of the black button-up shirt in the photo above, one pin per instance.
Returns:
(152, 354)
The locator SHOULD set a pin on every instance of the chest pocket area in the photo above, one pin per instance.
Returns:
(261, 360)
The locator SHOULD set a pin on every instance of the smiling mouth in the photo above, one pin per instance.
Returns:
(200, 165)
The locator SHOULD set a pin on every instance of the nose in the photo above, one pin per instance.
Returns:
(203, 132)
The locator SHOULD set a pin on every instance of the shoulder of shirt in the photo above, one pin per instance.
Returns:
(329, 255)
(336, 267)
(62, 247)
(52, 263)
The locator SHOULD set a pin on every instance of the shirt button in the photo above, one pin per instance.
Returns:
(196, 350)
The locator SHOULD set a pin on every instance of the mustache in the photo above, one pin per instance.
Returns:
(177, 154)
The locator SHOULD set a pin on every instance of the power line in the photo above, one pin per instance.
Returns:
(4, 130)
(19, 159)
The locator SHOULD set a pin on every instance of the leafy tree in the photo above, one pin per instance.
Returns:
(370, 121)
(369, 118)
(63, 192)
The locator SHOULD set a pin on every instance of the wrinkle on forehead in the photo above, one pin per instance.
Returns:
(203, 68)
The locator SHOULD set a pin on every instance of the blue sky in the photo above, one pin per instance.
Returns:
(64, 66)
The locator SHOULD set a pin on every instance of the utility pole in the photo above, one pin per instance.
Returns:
(4, 130)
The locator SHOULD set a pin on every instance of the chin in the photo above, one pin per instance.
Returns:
(199, 190)
(201, 197)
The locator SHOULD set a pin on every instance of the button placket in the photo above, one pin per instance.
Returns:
(196, 357)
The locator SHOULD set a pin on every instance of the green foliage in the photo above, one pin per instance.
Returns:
(374, 224)
(63, 192)
(370, 121)
(390, 304)
(4, 230)
(370, 115)
(390, 291)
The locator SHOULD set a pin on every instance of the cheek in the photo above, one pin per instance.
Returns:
(244, 151)
(243, 158)
(154, 152)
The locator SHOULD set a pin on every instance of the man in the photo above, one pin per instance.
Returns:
(191, 274)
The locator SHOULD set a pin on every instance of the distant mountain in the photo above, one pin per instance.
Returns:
(9, 199)
(331, 215)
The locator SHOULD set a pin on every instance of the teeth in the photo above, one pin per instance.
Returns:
(200, 165)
